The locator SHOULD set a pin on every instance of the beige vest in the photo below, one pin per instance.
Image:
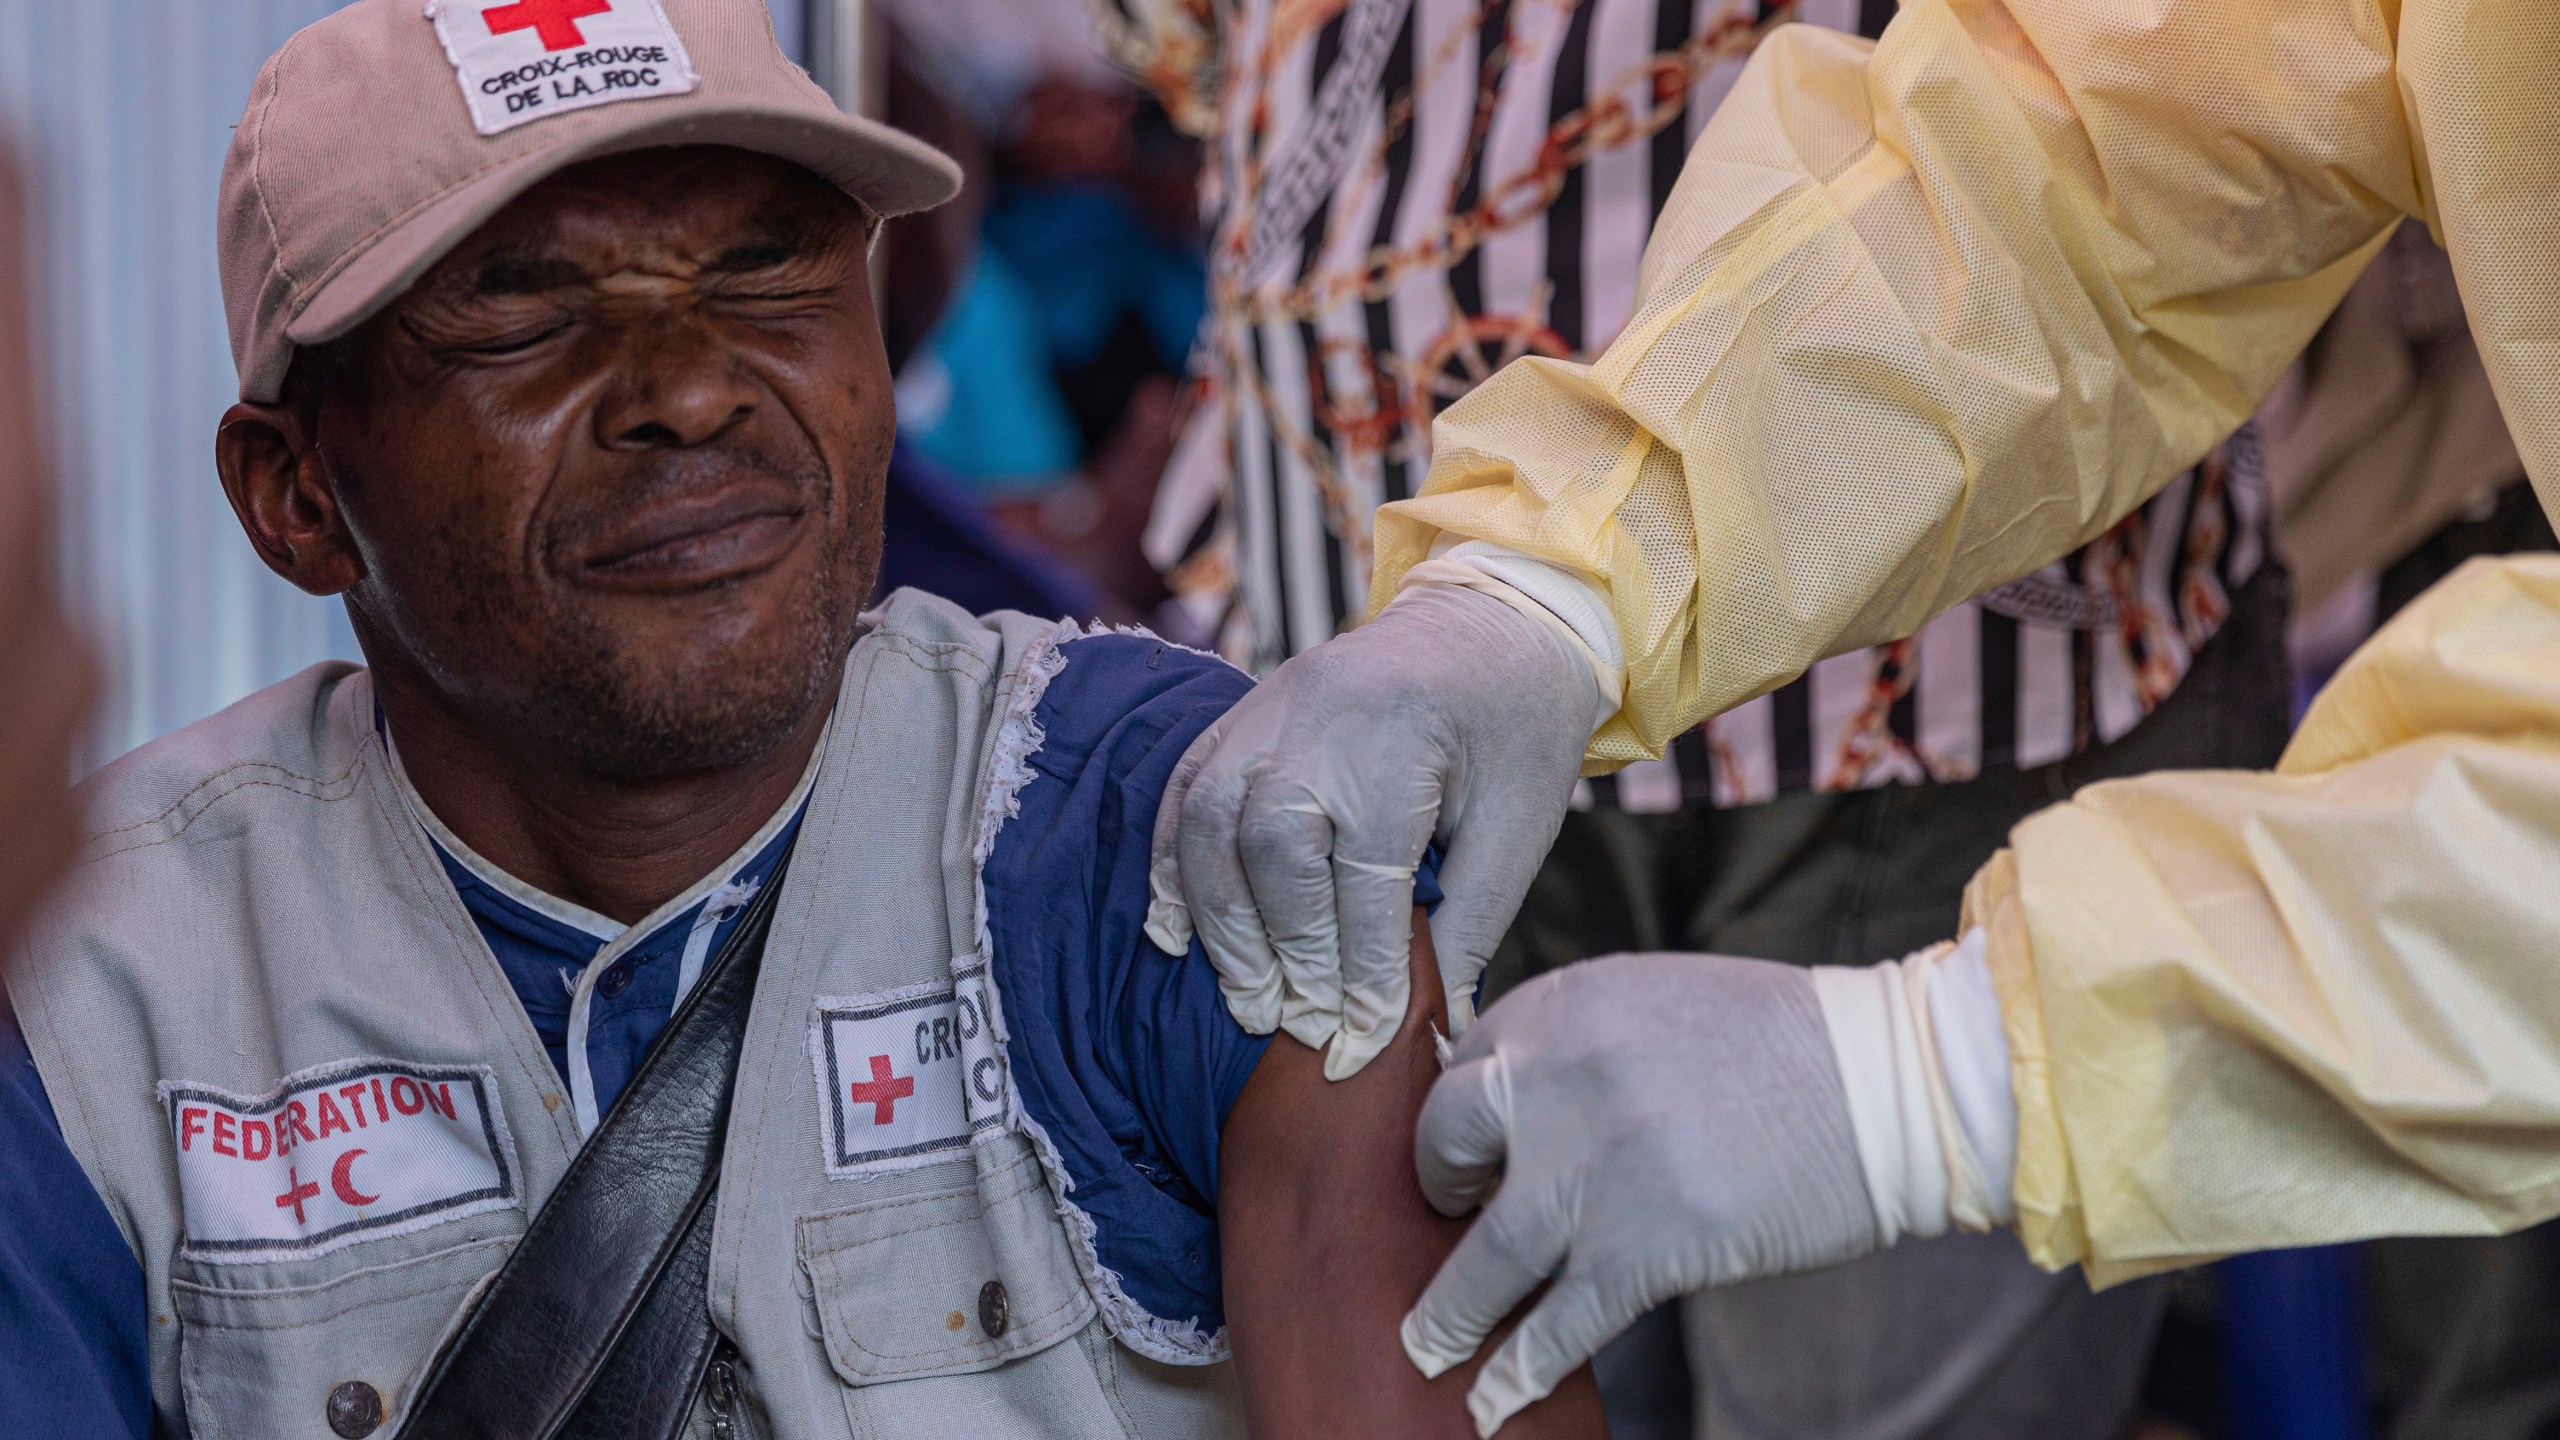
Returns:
(285, 1057)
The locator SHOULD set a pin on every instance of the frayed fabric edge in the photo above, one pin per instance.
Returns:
(1096, 629)
(1018, 738)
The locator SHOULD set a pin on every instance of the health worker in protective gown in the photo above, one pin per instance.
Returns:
(1922, 316)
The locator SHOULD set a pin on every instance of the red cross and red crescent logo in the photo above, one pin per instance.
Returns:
(334, 1151)
(341, 1181)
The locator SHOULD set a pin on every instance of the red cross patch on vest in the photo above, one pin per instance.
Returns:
(909, 1076)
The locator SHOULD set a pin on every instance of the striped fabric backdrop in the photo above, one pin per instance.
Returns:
(1533, 139)
(1494, 168)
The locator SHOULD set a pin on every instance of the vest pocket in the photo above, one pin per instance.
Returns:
(314, 1360)
(943, 1282)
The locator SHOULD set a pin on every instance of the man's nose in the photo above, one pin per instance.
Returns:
(679, 387)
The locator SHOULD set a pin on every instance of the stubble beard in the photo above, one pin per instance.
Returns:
(622, 716)
(614, 712)
(619, 718)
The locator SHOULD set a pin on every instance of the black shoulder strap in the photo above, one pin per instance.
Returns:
(599, 1324)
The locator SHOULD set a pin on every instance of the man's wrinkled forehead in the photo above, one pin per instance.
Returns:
(703, 213)
(573, 253)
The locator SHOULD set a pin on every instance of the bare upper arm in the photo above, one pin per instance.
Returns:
(1327, 1240)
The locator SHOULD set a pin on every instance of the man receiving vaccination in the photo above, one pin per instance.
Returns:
(558, 361)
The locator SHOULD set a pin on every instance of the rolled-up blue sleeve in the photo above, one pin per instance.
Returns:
(74, 1338)
(1123, 1055)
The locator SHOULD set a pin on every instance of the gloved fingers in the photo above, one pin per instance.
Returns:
(1568, 1325)
(1463, 1135)
(1370, 1021)
(1219, 896)
(1168, 913)
(1376, 850)
(1284, 840)
(1376, 931)
(1514, 1245)
(1491, 862)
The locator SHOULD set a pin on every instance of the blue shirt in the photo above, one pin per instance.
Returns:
(1125, 1056)
(544, 950)
(75, 1356)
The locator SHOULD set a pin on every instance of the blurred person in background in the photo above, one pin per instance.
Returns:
(46, 686)
(938, 535)
(1406, 195)
(1048, 378)
(49, 681)
(2387, 457)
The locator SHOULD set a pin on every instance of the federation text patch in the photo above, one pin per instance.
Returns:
(520, 60)
(908, 1075)
(336, 1154)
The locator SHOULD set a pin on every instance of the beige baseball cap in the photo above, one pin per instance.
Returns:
(379, 137)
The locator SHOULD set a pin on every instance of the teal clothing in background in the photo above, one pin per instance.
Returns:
(1062, 271)
(1095, 264)
(979, 398)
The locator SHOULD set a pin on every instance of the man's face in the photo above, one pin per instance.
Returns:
(613, 468)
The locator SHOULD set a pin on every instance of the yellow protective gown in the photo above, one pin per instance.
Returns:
(2256, 1010)
(1923, 316)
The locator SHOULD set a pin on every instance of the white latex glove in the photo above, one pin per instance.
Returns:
(1289, 835)
(1659, 1124)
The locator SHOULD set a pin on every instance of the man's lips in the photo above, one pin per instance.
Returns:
(690, 544)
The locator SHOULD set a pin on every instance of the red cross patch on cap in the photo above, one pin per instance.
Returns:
(522, 60)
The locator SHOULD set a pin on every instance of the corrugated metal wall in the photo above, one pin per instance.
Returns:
(126, 107)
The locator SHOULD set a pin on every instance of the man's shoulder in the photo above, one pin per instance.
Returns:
(1113, 679)
(1093, 689)
(1101, 645)
(304, 735)
(923, 623)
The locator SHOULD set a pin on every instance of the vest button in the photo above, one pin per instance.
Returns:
(355, 1410)
(615, 981)
(995, 1309)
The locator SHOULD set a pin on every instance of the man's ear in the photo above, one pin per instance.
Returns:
(269, 456)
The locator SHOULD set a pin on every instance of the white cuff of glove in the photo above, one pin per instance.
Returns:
(1571, 604)
(1925, 1064)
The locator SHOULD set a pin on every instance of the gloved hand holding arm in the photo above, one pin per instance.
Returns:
(2192, 1014)
(1657, 1124)
(1289, 836)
